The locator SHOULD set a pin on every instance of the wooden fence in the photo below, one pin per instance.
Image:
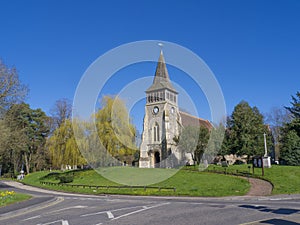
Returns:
(107, 186)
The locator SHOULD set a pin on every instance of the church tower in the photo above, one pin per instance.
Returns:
(162, 120)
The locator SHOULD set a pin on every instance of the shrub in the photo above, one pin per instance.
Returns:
(66, 178)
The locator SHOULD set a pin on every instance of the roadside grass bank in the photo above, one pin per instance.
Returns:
(285, 179)
(10, 197)
(186, 182)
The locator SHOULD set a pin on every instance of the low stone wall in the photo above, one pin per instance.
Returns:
(231, 159)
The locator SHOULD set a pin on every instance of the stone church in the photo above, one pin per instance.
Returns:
(162, 122)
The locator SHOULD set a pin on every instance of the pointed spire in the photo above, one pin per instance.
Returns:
(161, 78)
(161, 69)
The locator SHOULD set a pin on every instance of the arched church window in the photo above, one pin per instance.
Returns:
(156, 132)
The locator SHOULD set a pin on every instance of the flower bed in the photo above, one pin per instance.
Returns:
(6, 196)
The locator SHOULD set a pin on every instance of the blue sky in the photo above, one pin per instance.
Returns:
(252, 46)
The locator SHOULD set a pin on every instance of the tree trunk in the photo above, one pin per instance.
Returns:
(26, 162)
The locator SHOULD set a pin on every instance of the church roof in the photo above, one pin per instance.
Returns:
(189, 120)
(161, 79)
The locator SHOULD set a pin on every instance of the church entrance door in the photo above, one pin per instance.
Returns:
(156, 159)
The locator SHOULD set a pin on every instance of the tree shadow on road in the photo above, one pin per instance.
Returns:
(279, 211)
(279, 222)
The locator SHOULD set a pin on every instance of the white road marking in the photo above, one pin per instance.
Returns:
(63, 222)
(193, 203)
(115, 210)
(140, 210)
(279, 199)
(67, 208)
(110, 215)
(21, 212)
(31, 218)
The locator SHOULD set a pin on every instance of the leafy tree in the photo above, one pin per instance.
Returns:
(245, 129)
(214, 146)
(10, 149)
(202, 143)
(26, 131)
(12, 91)
(187, 140)
(193, 140)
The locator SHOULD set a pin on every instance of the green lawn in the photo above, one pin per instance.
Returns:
(186, 182)
(136, 176)
(286, 179)
(207, 184)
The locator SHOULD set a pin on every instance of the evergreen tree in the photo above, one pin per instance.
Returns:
(290, 138)
(245, 129)
(26, 132)
(290, 149)
(295, 108)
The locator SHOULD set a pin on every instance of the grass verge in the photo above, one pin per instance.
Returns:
(10, 197)
(285, 179)
(186, 182)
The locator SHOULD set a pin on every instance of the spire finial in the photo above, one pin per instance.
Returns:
(161, 45)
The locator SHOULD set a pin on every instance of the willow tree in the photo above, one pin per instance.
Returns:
(116, 132)
(63, 147)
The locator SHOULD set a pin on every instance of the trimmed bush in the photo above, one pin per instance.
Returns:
(66, 178)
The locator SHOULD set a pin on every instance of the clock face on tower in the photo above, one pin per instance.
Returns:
(155, 110)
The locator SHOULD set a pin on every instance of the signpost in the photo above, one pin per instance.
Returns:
(258, 162)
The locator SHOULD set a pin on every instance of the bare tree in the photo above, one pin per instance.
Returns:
(61, 111)
(12, 91)
(276, 120)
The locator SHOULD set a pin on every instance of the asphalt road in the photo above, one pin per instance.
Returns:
(55, 208)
